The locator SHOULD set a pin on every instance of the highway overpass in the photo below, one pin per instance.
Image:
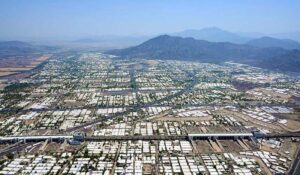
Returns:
(14, 139)
(194, 136)
(220, 136)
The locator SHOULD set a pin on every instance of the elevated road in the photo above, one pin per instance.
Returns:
(137, 106)
(194, 136)
(219, 136)
(281, 135)
(24, 139)
(139, 137)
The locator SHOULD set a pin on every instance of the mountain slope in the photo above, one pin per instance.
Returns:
(20, 48)
(213, 34)
(289, 62)
(8, 47)
(264, 42)
(168, 47)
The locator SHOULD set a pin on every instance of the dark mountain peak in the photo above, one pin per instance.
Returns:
(170, 38)
(161, 37)
(166, 47)
(164, 42)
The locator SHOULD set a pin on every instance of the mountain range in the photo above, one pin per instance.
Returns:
(212, 45)
(172, 47)
(212, 34)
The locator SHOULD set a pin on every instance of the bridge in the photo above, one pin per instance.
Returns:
(220, 136)
(194, 136)
(137, 137)
(24, 139)
(281, 135)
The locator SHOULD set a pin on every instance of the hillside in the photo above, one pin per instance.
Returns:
(168, 47)
(264, 42)
(17, 57)
(8, 48)
(289, 62)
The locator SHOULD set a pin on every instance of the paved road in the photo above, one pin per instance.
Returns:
(14, 139)
(139, 137)
(134, 106)
(295, 168)
(178, 137)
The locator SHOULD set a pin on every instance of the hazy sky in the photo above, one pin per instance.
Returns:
(77, 18)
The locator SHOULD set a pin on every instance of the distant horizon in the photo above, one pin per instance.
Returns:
(113, 36)
(71, 20)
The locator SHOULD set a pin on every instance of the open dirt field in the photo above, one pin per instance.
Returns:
(194, 129)
(250, 144)
(215, 129)
(291, 147)
(53, 147)
(9, 66)
(293, 121)
(293, 125)
(231, 146)
(6, 73)
(248, 120)
(203, 146)
(151, 62)
(9, 69)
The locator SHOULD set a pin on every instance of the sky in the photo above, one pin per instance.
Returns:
(68, 19)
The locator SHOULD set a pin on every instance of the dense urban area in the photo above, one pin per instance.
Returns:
(92, 113)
